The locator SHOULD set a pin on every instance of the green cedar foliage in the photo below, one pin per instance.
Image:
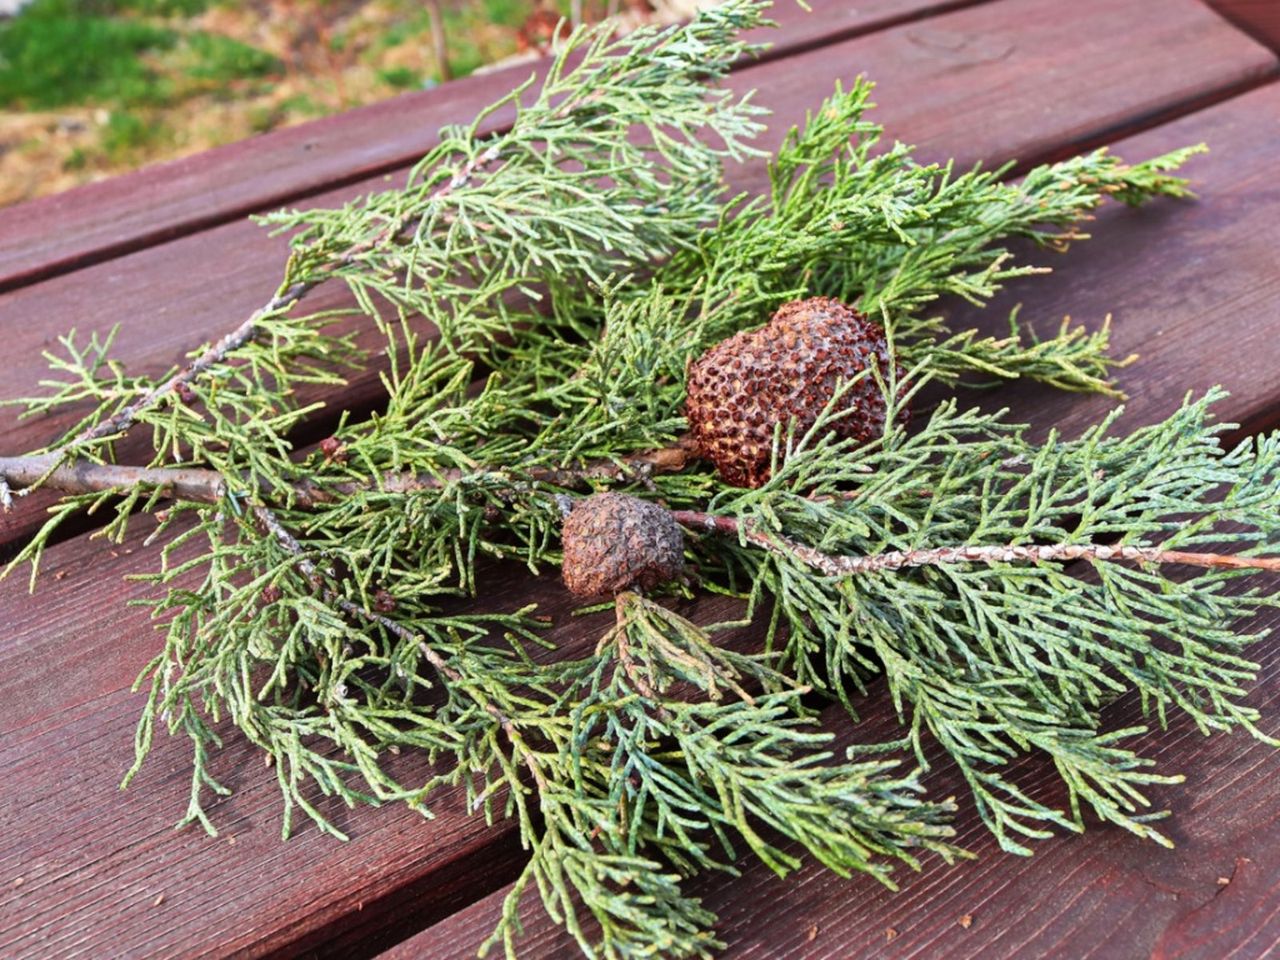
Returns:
(541, 291)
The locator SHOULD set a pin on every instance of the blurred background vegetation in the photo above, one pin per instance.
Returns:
(94, 87)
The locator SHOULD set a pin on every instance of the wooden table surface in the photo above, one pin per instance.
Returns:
(86, 870)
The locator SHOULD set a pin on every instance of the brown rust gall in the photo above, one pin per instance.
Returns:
(740, 390)
(613, 542)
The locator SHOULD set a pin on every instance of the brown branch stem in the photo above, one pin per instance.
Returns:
(199, 485)
(842, 566)
(84, 476)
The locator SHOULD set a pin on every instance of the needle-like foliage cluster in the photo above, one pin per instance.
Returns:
(994, 658)
(540, 291)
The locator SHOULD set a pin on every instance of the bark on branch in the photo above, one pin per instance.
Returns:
(843, 566)
(207, 486)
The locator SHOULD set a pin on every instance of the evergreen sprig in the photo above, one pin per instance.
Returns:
(992, 655)
(643, 774)
(541, 292)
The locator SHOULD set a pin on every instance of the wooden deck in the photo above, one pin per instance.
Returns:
(166, 253)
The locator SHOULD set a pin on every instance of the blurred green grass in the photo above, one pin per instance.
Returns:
(62, 52)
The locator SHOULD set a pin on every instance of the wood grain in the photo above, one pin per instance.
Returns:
(944, 84)
(110, 218)
(1108, 894)
(1258, 18)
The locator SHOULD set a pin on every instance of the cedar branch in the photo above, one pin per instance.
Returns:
(280, 533)
(207, 486)
(286, 299)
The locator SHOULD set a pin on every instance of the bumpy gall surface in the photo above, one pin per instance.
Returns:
(613, 542)
(743, 387)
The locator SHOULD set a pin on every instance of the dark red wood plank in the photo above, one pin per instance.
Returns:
(1053, 77)
(1107, 894)
(160, 202)
(1193, 287)
(1258, 18)
(987, 83)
